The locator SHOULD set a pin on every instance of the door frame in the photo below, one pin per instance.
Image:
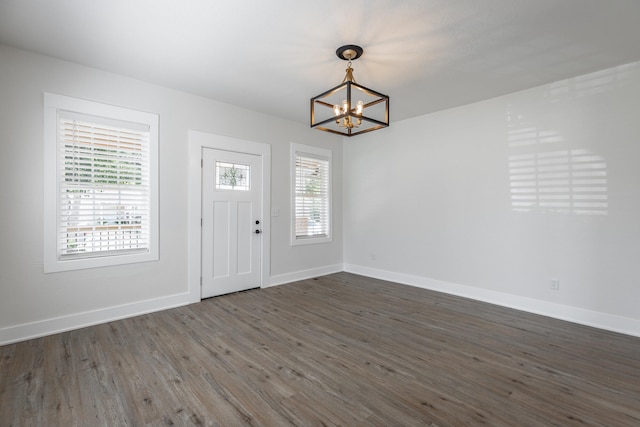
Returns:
(197, 142)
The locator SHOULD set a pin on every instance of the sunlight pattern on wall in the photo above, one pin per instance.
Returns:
(565, 181)
(555, 159)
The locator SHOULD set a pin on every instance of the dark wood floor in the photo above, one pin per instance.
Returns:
(338, 350)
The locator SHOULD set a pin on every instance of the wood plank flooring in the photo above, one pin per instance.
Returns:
(337, 350)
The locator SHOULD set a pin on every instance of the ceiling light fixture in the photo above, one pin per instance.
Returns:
(334, 111)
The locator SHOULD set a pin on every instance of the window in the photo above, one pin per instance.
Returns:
(233, 176)
(311, 194)
(100, 185)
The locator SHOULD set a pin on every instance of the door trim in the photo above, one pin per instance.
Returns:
(197, 141)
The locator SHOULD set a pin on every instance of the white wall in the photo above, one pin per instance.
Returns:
(33, 303)
(430, 201)
(427, 201)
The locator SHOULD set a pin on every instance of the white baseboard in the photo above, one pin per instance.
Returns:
(281, 279)
(55, 325)
(605, 321)
(581, 316)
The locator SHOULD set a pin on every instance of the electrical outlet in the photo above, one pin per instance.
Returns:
(555, 284)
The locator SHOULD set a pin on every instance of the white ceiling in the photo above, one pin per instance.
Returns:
(272, 56)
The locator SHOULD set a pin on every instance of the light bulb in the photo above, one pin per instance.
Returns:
(359, 107)
(336, 110)
(345, 106)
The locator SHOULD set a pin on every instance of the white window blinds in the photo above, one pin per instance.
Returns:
(311, 196)
(104, 186)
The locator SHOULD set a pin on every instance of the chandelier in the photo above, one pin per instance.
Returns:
(335, 110)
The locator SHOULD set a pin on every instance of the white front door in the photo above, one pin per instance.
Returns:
(231, 221)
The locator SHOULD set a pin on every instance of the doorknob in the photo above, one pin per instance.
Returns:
(257, 221)
(258, 231)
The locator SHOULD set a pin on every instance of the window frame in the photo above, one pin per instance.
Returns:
(53, 103)
(320, 154)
